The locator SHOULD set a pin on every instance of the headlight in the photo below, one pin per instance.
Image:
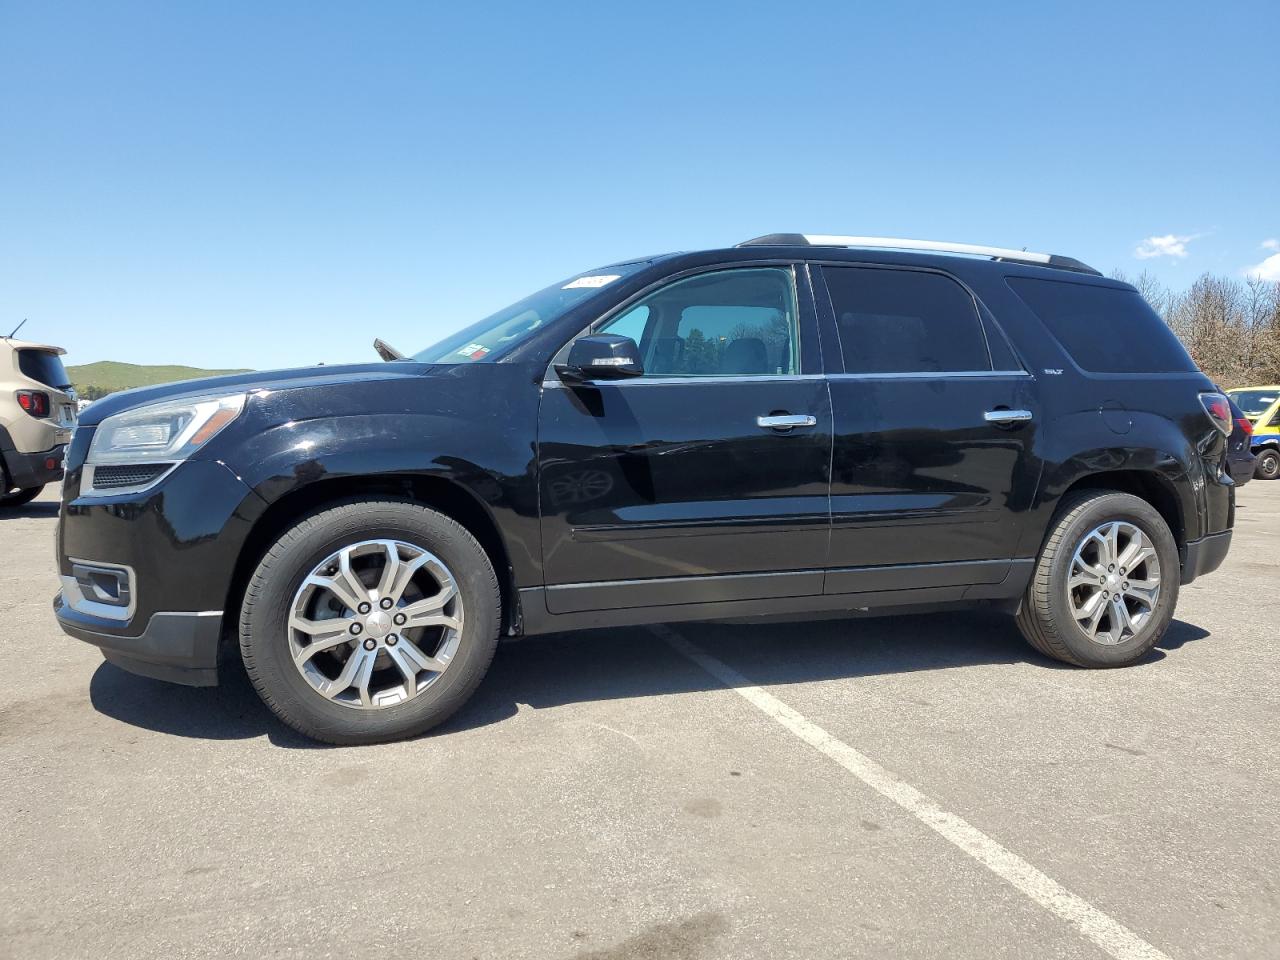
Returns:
(170, 430)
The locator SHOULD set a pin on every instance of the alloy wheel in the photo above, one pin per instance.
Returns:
(1114, 583)
(375, 624)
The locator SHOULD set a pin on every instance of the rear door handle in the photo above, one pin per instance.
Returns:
(786, 421)
(1003, 415)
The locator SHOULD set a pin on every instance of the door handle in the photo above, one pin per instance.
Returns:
(1005, 415)
(786, 421)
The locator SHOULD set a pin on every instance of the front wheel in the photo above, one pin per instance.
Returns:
(370, 621)
(17, 498)
(1105, 584)
(1267, 466)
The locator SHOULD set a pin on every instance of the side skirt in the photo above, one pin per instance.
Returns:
(538, 620)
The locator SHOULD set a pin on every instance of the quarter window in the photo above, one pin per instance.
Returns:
(726, 323)
(905, 321)
(1104, 329)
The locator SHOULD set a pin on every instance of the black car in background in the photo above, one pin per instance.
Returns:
(800, 425)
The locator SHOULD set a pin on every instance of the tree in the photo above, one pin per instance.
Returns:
(1230, 327)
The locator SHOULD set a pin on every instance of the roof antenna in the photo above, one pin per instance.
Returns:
(16, 329)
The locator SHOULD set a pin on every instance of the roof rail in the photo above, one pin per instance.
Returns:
(932, 246)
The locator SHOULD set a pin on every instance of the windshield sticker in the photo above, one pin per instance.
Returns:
(599, 280)
(473, 351)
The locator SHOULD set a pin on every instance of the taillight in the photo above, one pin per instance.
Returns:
(1245, 425)
(35, 402)
(1219, 411)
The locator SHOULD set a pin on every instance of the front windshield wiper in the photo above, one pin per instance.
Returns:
(386, 351)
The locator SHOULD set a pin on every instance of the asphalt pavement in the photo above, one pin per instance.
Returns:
(923, 786)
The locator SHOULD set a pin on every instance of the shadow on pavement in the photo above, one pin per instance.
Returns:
(37, 509)
(230, 711)
(627, 663)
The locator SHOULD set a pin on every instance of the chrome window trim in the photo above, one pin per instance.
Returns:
(86, 480)
(554, 381)
(932, 375)
(74, 597)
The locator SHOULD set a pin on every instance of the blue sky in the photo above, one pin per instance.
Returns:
(274, 184)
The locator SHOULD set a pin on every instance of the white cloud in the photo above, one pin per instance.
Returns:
(1268, 269)
(1271, 244)
(1170, 245)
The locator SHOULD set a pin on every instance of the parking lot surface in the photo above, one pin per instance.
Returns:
(903, 786)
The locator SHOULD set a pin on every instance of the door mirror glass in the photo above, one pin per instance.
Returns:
(601, 356)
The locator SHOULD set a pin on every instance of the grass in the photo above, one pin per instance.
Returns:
(108, 376)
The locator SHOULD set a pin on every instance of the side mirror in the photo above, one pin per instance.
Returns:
(601, 356)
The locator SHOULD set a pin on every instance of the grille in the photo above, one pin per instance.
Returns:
(131, 475)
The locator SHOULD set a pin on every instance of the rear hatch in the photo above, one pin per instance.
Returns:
(43, 369)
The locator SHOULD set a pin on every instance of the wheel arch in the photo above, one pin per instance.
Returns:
(1149, 485)
(447, 496)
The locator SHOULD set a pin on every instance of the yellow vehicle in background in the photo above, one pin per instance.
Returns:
(1262, 406)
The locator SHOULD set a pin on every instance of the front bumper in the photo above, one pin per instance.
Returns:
(27, 470)
(1204, 555)
(173, 646)
(173, 548)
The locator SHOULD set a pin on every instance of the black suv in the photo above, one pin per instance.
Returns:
(798, 425)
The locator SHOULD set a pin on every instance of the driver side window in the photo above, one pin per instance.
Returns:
(734, 323)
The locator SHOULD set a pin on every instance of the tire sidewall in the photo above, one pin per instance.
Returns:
(1268, 456)
(1108, 508)
(264, 618)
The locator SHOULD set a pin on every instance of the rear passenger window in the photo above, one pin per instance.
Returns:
(1104, 329)
(904, 321)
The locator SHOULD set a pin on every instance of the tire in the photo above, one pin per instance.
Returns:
(286, 581)
(1047, 615)
(1267, 466)
(18, 497)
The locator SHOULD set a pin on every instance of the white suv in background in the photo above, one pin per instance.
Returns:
(37, 415)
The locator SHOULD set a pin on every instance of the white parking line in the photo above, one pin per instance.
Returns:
(1112, 937)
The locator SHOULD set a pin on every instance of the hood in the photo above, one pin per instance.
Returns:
(268, 380)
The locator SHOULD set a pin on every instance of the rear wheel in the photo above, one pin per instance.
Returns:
(1105, 584)
(370, 621)
(17, 498)
(1267, 466)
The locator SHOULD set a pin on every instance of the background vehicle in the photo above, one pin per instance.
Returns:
(798, 425)
(1262, 406)
(37, 414)
(1240, 457)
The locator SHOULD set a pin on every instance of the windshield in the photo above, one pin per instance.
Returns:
(489, 339)
(1255, 403)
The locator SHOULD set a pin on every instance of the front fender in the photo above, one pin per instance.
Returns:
(476, 431)
(285, 459)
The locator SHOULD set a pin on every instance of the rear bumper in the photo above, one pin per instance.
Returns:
(1204, 555)
(1240, 466)
(27, 470)
(178, 647)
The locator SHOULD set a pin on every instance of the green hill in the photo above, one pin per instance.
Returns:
(94, 380)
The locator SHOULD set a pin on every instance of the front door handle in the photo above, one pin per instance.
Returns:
(786, 421)
(1005, 415)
